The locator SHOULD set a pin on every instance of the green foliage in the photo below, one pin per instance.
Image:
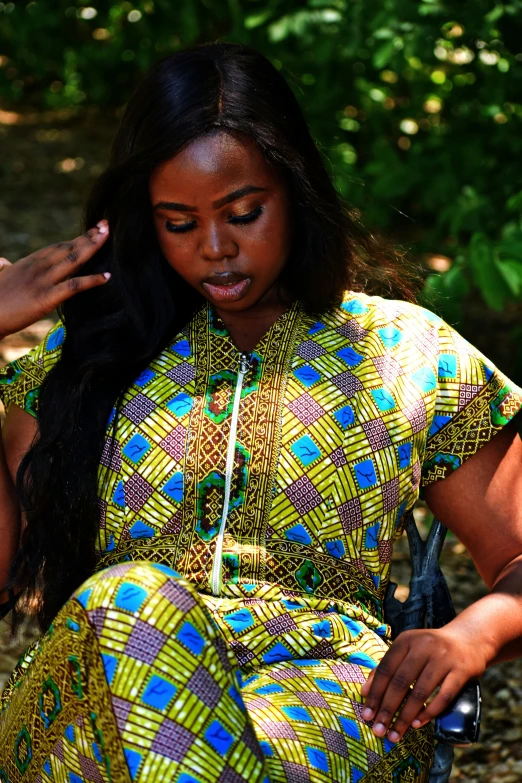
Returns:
(416, 104)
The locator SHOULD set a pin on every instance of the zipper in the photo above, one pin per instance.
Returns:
(215, 580)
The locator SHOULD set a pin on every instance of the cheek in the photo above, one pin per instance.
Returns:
(278, 242)
(178, 251)
(279, 230)
(273, 237)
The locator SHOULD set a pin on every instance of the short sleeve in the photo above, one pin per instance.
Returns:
(474, 401)
(20, 380)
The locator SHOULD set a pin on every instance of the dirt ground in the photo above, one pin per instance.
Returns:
(46, 168)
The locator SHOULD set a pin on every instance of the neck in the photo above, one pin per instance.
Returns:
(247, 327)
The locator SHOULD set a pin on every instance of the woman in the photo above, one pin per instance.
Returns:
(227, 440)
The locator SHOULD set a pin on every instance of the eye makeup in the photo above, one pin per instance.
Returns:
(179, 228)
(237, 220)
(248, 218)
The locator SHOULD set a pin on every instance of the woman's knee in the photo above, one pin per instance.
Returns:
(152, 575)
(143, 589)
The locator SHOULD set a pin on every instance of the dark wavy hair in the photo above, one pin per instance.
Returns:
(115, 330)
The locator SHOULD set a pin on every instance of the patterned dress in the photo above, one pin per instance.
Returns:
(248, 508)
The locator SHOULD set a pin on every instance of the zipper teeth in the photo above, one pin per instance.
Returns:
(216, 569)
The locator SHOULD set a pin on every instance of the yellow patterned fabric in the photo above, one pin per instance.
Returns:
(340, 422)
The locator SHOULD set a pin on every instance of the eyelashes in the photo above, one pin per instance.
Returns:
(239, 220)
(174, 229)
(235, 220)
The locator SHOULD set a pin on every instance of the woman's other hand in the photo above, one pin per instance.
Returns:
(425, 659)
(34, 286)
(481, 503)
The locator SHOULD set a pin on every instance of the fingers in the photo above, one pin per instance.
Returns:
(3, 263)
(65, 258)
(382, 676)
(390, 686)
(423, 688)
(398, 688)
(391, 682)
(449, 689)
(417, 663)
(76, 285)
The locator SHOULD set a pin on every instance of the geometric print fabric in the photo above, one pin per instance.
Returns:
(174, 713)
(180, 709)
(342, 422)
(365, 396)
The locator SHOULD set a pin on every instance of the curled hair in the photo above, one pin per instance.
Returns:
(115, 330)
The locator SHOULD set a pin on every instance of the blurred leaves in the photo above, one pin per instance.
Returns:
(415, 104)
(486, 272)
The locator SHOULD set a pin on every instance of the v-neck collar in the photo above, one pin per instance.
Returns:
(217, 326)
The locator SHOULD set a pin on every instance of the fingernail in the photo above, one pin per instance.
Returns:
(367, 713)
(103, 226)
(393, 736)
(416, 724)
(379, 729)
(106, 275)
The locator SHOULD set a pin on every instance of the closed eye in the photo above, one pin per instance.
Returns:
(236, 220)
(248, 218)
(179, 228)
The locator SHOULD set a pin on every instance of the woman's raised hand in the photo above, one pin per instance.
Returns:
(34, 286)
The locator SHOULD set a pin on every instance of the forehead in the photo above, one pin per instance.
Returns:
(211, 165)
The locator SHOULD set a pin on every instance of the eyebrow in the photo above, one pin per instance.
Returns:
(176, 205)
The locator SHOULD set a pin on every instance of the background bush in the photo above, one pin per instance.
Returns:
(416, 104)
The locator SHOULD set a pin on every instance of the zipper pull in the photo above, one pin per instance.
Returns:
(244, 362)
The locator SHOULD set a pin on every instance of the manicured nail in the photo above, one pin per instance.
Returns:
(106, 275)
(416, 724)
(103, 226)
(393, 736)
(379, 729)
(367, 713)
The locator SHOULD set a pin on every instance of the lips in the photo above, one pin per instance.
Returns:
(224, 278)
(226, 286)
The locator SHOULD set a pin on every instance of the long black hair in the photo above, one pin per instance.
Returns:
(115, 330)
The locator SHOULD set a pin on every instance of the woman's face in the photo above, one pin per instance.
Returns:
(222, 217)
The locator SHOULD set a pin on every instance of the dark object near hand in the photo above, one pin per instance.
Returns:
(429, 605)
(459, 724)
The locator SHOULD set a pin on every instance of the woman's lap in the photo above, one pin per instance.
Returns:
(154, 693)
(307, 717)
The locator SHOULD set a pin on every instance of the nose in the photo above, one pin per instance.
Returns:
(217, 244)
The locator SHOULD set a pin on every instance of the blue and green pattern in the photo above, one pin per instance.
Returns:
(147, 675)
